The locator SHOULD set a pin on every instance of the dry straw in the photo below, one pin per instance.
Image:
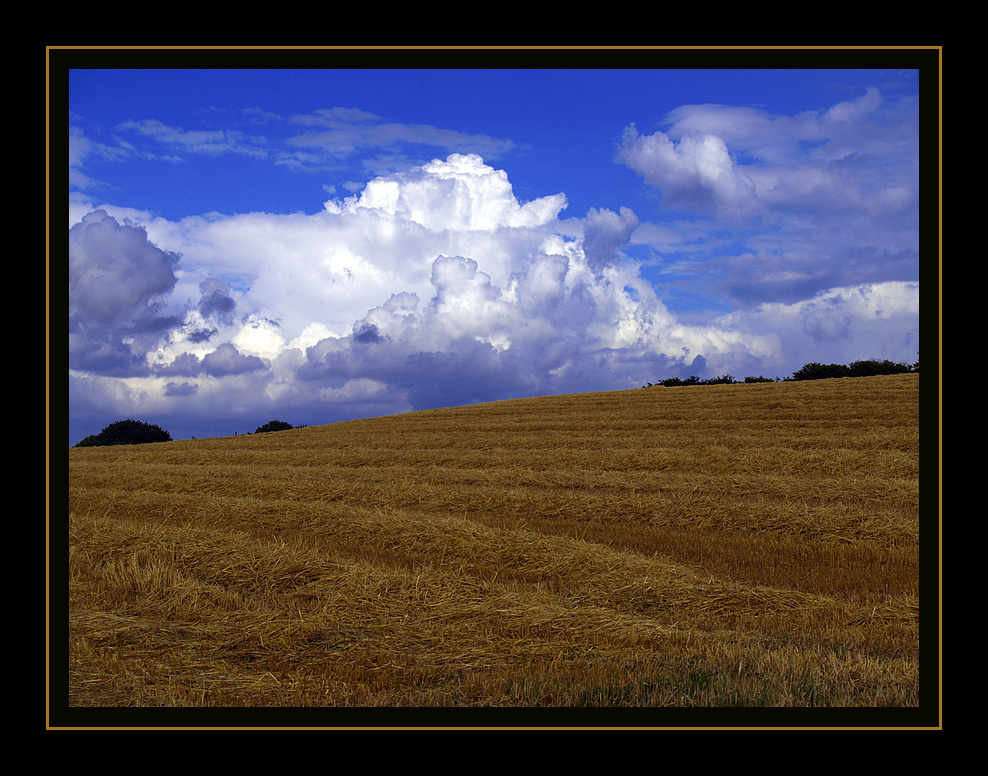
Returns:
(711, 545)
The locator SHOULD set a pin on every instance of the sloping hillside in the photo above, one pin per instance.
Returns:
(738, 545)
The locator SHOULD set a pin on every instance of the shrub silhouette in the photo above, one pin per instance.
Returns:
(274, 425)
(886, 367)
(817, 371)
(126, 432)
(866, 368)
(810, 371)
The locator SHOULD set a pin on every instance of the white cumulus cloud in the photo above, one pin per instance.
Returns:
(431, 287)
(696, 173)
(461, 193)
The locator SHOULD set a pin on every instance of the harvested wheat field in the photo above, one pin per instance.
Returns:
(703, 546)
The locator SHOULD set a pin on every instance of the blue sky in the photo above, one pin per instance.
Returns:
(319, 245)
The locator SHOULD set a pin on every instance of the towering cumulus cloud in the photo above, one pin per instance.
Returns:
(431, 287)
(458, 194)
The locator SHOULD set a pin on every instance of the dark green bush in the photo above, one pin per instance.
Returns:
(865, 368)
(870, 368)
(817, 371)
(126, 432)
(811, 371)
(274, 425)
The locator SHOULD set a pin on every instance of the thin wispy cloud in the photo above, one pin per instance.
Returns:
(345, 131)
(178, 142)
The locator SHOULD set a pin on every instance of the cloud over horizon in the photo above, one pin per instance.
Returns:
(435, 285)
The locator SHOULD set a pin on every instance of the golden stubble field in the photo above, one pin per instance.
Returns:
(701, 546)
